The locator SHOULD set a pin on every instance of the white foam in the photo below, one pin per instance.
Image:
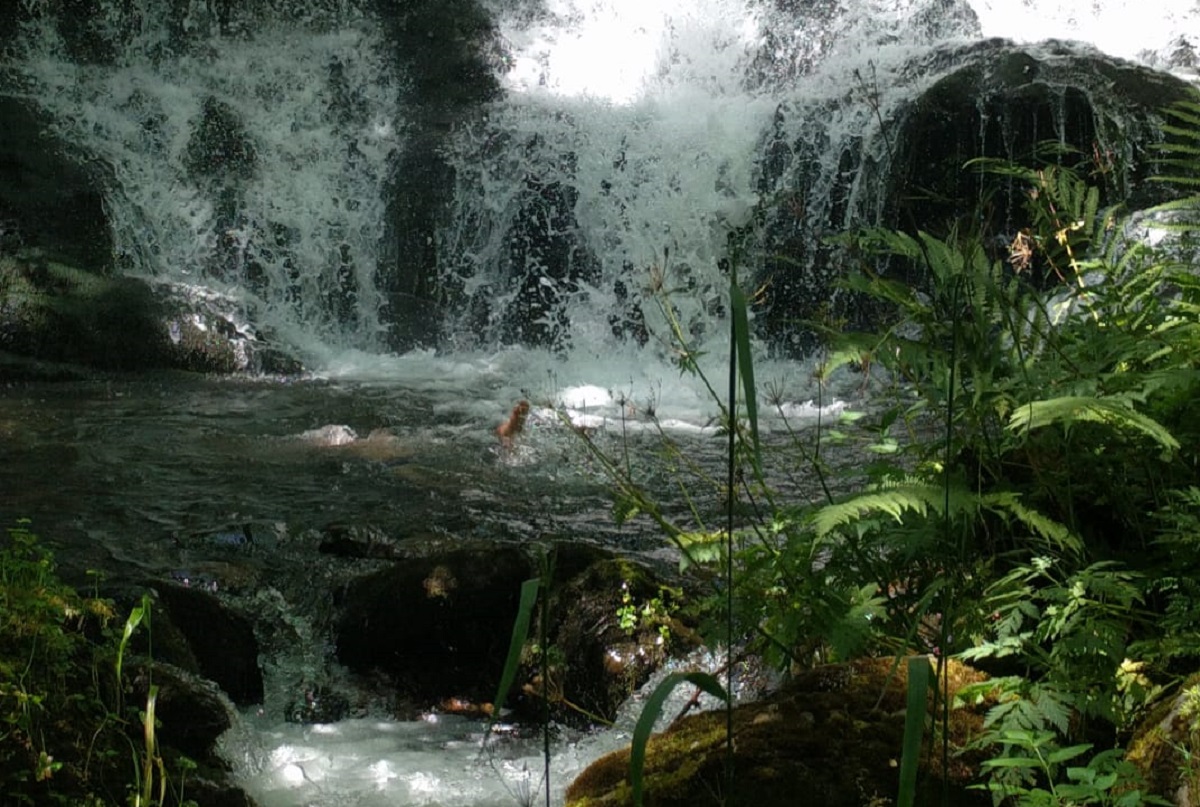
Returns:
(1123, 28)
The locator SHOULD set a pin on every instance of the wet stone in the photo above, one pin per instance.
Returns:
(221, 640)
(318, 704)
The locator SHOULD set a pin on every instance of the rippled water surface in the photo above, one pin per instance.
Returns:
(140, 468)
(241, 483)
(136, 466)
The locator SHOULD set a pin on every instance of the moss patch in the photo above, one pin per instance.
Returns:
(1166, 746)
(832, 737)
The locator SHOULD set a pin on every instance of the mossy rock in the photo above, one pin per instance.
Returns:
(1165, 742)
(58, 312)
(597, 661)
(832, 736)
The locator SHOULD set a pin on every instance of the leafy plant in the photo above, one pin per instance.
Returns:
(44, 656)
(1028, 498)
(1041, 776)
(64, 726)
(654, 611)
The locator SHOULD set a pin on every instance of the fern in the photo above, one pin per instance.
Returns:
(894, 500)
(1067, 410)
(1057, 536)
(1183, 153)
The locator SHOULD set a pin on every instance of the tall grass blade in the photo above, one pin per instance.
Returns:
(745, 364)
(914, 728)
(529, 592)
(150, 753)
(650, 712)
(131, 625)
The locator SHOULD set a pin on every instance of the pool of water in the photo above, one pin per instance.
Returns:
(236, 481)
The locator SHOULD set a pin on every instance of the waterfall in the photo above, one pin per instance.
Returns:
(247, 150)
(473, 202)
(318, 171)
(628, 155)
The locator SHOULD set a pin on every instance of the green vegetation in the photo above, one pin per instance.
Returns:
(1029, 498)
(66, 734)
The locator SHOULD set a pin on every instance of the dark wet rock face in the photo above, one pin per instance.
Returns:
(219, 150)
(221, 641)
(51, 195)
(437, 626)
(1005, 102)
(419, 207)
(994, 100)
(451, 54)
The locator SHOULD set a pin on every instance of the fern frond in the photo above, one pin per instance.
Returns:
(894, 500)
(1008, 504)
(1112, 412)
(1186, 111)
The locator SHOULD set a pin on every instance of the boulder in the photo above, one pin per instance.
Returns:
(436, 626)
(612, 623)
(56, 312)
(1165, 746)
(1002, 101)
(220, 640)
(904, 165)
(192, 712)
(832, 736)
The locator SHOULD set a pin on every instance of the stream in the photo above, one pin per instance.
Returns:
(234, 483)
(435, 253)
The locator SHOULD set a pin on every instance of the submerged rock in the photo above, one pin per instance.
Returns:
(318, 704)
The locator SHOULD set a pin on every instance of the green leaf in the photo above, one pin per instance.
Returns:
(1009, 504)
(1070, 752)
(1012, 762)
(650, 712)
(529, 592)
(745, 362)
(624, 508)
(1070, 409)
(919, 683)
(894, 501)
(700, 547)
(131, 624)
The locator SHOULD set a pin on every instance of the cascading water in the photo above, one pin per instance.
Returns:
(254, 154)
(247, 150)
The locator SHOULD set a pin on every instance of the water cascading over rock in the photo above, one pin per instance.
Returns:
(376, 176)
